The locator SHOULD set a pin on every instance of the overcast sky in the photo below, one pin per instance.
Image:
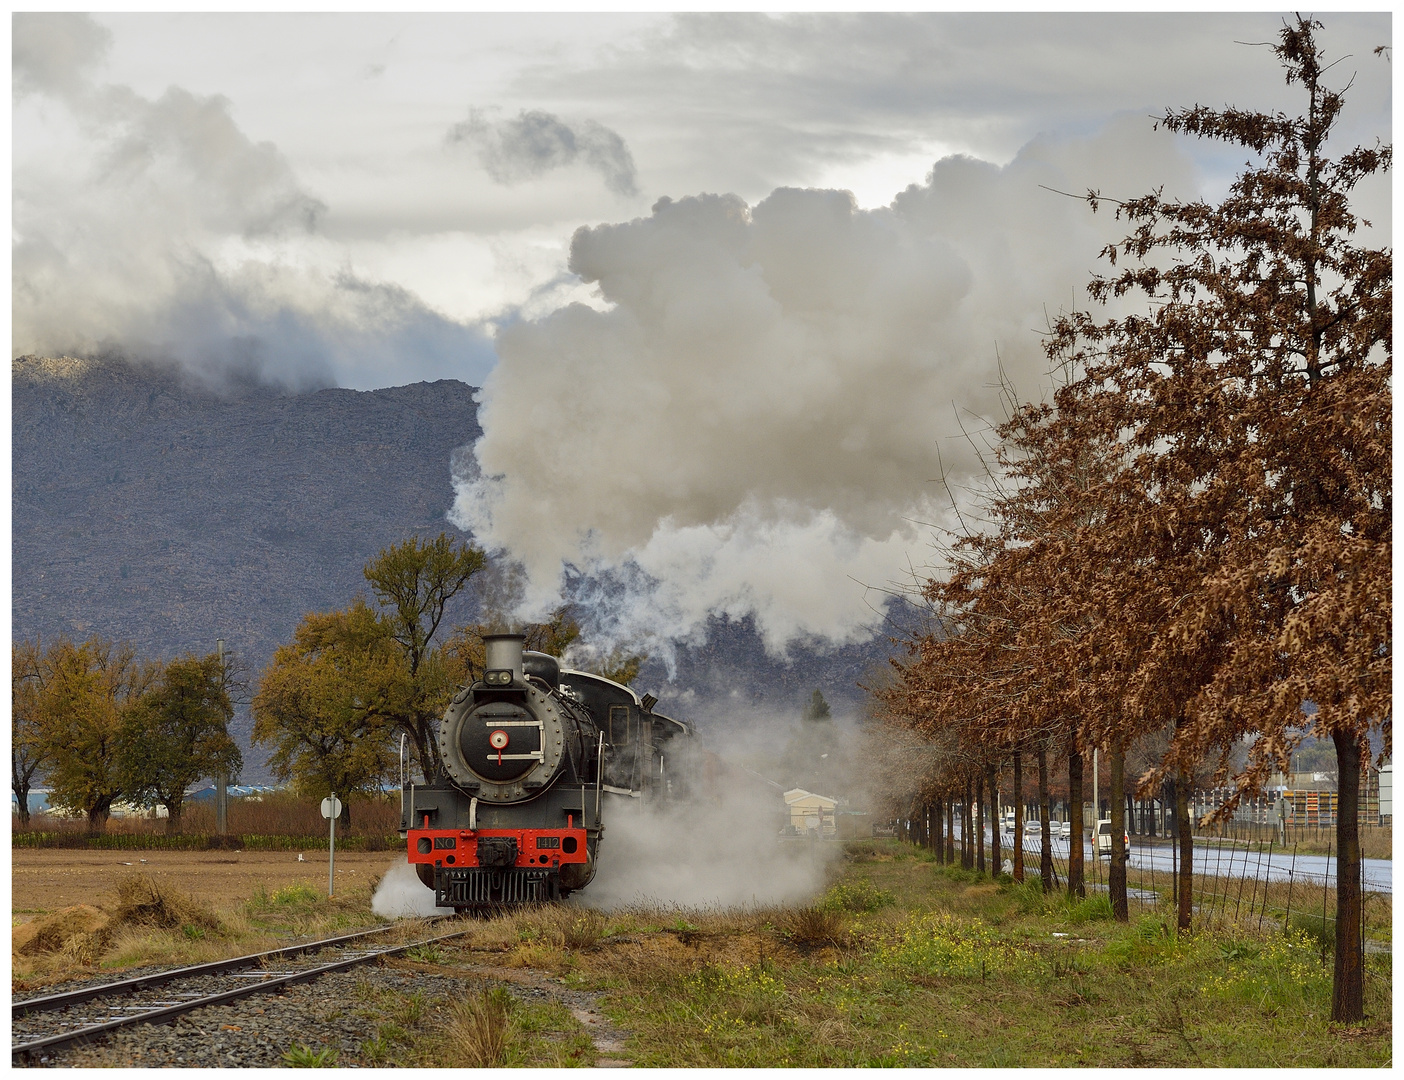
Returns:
(809, 241)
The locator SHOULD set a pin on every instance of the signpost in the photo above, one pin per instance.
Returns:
(331, 809)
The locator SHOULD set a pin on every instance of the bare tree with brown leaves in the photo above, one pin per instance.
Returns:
(1254, 394)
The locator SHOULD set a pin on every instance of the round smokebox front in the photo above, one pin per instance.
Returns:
(500, 741)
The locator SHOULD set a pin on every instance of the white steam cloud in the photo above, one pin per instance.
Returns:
(156, 227)
(401, 895)
(756, 410)
(536, 142)
(705, 855)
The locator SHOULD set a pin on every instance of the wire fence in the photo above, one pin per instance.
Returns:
(1233, 886)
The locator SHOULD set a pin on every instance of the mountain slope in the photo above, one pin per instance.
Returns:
(148, 509)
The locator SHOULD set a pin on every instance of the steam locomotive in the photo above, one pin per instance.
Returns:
(532, 755)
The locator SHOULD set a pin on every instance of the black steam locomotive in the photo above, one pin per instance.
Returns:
(532, 755)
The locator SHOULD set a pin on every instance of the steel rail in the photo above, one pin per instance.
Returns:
(171, 1012)
(214, 967)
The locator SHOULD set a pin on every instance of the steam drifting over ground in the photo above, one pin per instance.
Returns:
(401, 895)
(704, 855)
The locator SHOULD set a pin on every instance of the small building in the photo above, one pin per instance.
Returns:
(809, 811)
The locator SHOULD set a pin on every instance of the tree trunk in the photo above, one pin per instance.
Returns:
(1045, 855)
(1018, 798)
(938, 840)
(21, 786)
(1116, 873)
(980, 824)
(98, 815)
(950, 829)
(344, 819)
(967, 841)
(1184, 828)
(1347, 986)
(996, 862)
(1076, 871)
(173, 809)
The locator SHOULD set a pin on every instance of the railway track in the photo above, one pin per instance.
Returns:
(52, 1022)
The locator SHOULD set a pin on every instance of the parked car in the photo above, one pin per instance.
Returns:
(1104, 838)
(1056, 829)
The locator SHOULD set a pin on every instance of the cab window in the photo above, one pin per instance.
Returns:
(620, 725)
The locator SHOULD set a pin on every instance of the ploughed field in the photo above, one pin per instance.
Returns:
(899, 962)
(49, 879)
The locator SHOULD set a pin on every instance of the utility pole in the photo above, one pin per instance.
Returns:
(222, 780)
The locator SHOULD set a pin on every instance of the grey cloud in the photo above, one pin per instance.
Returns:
(785, 94)
(51, 52)
(536, 142)
(192, 143)
(165, 232)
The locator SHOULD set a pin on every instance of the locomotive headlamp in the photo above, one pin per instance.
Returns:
(498, 678)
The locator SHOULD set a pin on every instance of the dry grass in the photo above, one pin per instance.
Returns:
(147, 923)
(479, 1031)
(144, 922)
(817, 926)
(59, 932)
(141, 901)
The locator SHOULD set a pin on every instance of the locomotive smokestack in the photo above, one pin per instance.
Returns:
(504, 653)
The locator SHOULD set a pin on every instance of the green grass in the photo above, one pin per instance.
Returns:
(956, 970)
(302, 1056)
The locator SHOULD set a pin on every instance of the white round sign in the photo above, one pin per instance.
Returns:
(331, 807)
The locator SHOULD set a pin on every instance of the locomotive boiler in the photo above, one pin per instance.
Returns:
(532, 757)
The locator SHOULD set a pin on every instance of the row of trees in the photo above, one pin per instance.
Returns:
(1191, 542)
(334, 703)
(100, 725)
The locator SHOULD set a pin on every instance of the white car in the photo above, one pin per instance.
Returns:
(1104, 838)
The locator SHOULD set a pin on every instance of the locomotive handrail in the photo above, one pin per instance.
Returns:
(599, 779)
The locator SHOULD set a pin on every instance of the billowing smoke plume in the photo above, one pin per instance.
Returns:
(158, 228)
(537, 142)
(754, 416)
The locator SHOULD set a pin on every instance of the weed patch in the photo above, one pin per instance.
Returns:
(302, 1056)
(857, 895)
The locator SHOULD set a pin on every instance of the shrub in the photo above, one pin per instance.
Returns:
(858, 895)
(1320, 929)
(816, 926)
